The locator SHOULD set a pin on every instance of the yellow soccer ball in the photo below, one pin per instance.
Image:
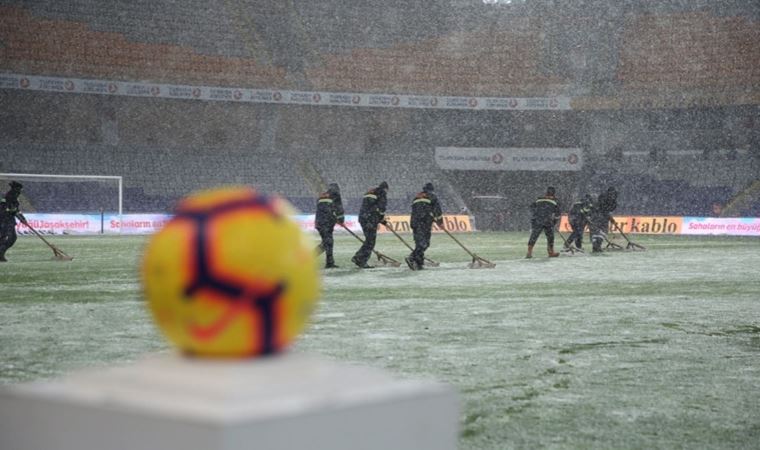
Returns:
(231, 275)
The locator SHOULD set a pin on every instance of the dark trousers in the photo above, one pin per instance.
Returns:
(576, 237)
(327, 243)
(7, 236)
(535, 230)
(370, 236)
(422, 235)
(598, 227)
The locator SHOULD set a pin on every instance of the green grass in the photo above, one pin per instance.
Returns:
(655, 349)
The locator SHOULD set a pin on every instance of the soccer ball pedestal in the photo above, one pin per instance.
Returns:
(288, 401)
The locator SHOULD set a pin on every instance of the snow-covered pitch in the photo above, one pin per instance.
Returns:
(655, 349)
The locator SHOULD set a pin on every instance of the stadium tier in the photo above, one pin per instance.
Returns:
(666, 108)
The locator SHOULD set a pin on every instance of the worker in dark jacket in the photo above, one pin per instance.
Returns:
(578, 218)
(600, 218)
(425, 210)
(9, 212)
(545, 215)
(329, 212)
(371, 214)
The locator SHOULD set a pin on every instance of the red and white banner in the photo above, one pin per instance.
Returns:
(245, 95)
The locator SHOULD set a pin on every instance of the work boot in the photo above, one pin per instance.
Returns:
(331, 265)
(530, 252)
(552, 253)
(410, 262)
(360, 264)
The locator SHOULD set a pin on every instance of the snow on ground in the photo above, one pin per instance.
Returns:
(623, 350)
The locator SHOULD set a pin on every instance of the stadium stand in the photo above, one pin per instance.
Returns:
(67, 41)
(694, 49)
(474, 63)
(657, 66)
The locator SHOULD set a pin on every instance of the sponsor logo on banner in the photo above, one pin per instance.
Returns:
(422, 102)
(500, 103)
(262, 96)
(452, 223)
(340, 99)
(51, 84)
(95, 87)
(537, 159)
(379, 100)
(136, 223)
(301, 97)
(61, 223)
(140, 90)
(306, 222)
(537, 103)
(639, 224)
(220, 94)
(748, 226)
(457, 102)
(8, 82)
(180, 91)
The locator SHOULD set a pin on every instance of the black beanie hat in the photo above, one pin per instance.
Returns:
(383, 185)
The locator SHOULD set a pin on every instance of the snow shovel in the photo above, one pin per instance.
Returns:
(477, 261)
(611, 245)
(428, 261)
(57, 252)
(631, 245)
(383, 259)
(569, 247)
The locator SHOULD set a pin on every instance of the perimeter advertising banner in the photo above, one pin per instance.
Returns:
(721, 226)
(276, 96)
(509, 158)
(640, 224)
(94, 223)
(452, 223)
(150, 223)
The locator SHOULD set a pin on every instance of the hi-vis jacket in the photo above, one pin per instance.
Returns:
(425, 209)
(373, 207)
(545, 210)
(579, 212)
(329, 210)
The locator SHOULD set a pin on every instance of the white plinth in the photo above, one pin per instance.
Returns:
(289, 402)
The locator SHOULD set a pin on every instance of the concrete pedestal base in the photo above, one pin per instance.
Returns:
(288, 402)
